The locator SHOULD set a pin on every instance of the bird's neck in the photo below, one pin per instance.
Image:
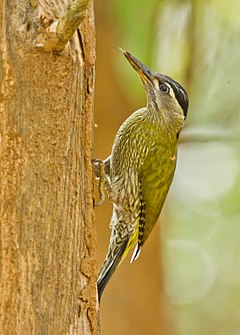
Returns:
(168, 123)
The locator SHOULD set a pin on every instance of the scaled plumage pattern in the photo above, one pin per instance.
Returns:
(140, 169)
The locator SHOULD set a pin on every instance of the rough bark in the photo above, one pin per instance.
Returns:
(47, 245)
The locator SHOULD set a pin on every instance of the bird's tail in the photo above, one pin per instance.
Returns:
(109, 266)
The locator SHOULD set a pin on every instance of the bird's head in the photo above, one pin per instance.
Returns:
(164, 94)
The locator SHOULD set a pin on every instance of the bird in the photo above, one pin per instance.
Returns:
(140, 169)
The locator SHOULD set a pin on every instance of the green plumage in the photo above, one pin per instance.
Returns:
(141, 166)
(156, 177)
(143, 154)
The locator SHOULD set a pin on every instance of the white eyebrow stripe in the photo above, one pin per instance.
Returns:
(179, 89)
(171, 92)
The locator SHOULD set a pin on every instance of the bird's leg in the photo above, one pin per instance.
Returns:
(100, 173)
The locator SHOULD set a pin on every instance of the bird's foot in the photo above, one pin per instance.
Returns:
(99, 169)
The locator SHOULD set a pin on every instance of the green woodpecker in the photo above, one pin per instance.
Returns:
(140, 169)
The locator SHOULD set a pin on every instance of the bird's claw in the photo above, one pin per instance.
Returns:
(99, 169)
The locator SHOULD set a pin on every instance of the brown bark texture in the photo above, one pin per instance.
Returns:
(47, 242)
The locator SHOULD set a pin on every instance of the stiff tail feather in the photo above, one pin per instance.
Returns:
(136, 253)
(108, 268)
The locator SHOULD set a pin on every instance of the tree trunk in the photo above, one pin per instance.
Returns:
(48, 243)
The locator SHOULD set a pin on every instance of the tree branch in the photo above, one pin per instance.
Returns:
(56, 38)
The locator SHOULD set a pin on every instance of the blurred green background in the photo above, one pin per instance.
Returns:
(187, 280)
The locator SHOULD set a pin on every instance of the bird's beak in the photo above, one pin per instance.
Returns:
(143, 71)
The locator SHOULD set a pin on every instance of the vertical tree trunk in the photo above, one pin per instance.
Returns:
(47, 246)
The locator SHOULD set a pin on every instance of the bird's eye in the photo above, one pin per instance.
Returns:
(164, 88)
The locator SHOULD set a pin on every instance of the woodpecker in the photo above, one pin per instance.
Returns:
(140, 169)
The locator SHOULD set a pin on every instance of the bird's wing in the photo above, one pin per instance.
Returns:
(155, 176)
